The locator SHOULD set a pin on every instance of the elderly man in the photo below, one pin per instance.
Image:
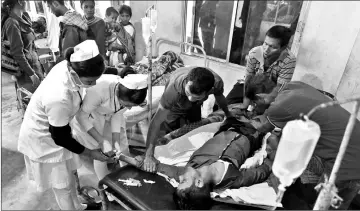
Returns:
(184, 93)
(293, 99)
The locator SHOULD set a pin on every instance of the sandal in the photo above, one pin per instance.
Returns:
(90, 194)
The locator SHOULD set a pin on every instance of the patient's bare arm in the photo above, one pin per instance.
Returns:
(169, 170)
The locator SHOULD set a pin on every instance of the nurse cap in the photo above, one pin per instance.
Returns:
(84, 51)
(135, 81)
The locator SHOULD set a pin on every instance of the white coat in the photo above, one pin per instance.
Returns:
(103, 112)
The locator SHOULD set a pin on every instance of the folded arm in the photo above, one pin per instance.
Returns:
(248, 177)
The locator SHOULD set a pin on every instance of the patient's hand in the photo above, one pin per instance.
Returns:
(254, 161)
(150, 163)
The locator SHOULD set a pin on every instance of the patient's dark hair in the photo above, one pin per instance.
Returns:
(256, 84)
(194, 198)
(203, 80)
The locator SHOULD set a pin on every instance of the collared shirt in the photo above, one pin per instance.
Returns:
(102, 99)
(174, 97)
(280, 71)
(55, 102)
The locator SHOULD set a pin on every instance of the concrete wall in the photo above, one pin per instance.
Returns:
(329, 52)
(328, 38)
(350, 82)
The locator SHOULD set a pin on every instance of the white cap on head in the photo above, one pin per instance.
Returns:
(84, 51)
(135, 81)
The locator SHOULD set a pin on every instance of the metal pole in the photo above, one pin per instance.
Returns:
(150, 78)
(324, 199)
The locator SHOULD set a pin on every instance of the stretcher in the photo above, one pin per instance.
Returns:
(156, 196)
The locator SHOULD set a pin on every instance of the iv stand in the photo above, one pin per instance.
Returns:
(150, 78)
(327, 192)
(149, 56)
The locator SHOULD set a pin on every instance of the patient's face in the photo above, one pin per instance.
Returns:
(189, 177)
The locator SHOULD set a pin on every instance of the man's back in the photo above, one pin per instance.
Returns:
(298, 97)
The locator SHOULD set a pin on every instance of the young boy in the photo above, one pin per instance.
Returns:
(111, 29)
(121, 37)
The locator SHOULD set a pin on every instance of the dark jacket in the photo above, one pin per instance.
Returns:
(98, 29)
(234, 147)
(21, 36)
(70, 36)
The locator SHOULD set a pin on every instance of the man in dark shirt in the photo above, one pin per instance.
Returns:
(297, 97)
(186, 90)
(215, 166)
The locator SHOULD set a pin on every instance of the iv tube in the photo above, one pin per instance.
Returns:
(279, 196)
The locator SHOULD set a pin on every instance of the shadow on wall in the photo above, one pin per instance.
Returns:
(312, 80)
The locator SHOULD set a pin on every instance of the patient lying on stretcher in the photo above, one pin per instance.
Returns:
(215, 166)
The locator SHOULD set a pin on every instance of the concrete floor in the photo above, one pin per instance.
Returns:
(17, 192)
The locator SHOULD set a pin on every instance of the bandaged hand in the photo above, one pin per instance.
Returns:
(255, 160)
(106, 146)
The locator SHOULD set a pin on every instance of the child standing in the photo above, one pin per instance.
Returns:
(120, 37)
(126, 35)
(111, 29)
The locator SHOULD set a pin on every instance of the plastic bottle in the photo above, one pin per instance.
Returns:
(297, 144)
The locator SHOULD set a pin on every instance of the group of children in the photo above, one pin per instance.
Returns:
(119, 37)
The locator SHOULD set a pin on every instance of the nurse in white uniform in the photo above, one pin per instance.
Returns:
(101, 114)
(51, 153)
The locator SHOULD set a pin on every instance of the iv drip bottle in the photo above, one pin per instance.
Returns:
(297, 144)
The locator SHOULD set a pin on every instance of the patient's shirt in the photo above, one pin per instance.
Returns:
(226, 166)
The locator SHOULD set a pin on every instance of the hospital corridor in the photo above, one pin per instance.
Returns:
(180, 105)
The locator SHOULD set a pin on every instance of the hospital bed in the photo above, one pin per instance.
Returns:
(159, 194)
(156, 196)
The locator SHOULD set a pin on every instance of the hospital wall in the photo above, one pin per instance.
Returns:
(329, 53)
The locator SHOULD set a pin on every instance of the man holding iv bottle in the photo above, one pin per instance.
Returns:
(293, 99)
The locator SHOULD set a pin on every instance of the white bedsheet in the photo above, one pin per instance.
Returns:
(259, 194)
(178, 151)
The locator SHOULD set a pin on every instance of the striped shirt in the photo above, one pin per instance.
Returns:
(281, 71)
